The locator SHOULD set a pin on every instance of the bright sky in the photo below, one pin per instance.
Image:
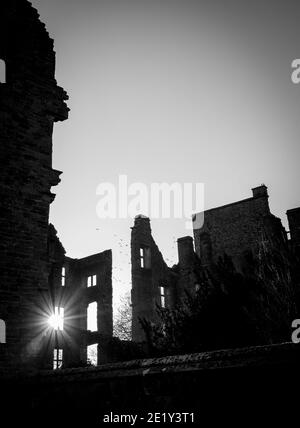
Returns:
(171, 91)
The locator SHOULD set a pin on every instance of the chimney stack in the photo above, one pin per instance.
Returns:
(260, 191)
(185, 251)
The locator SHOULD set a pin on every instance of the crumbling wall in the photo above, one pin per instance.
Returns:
(30, 103)
(149, 275)
(100, 265)
(74, 295)
(147, 279)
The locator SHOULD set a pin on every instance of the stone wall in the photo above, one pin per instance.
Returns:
(147, 279)
(30, 103)
(234, 386)
(237, 229)
(188, 267)
(71, 290)
(78, 271)
(293, 216)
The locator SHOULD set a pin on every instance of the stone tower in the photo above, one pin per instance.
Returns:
(149, 273)
(154, 283)
(30, 103)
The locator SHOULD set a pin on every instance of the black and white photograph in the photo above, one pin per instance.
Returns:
(149, 213)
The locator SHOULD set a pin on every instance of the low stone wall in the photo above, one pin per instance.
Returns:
(222, 385)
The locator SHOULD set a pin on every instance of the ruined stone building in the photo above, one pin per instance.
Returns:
(37, 282)
(56, 311)
(235, 229)
(30, 104)
(153, 282)
(81, 295)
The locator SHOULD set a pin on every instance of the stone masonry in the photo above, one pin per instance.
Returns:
(154, 284)
(71, 287)
(237, 229)
(30, 104)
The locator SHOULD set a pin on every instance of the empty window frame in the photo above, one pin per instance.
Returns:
(145, 257)
(63, 276)
(2, 71)
(92, 354)
(92, 280)
(57, 358)
(2, 331)
(92, 318)
(162, 297)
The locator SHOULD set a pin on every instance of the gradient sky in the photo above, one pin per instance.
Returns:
(175, 91)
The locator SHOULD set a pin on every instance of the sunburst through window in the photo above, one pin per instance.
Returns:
(56, 320)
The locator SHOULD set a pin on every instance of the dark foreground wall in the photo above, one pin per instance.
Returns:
(30, 104)
(252, 384)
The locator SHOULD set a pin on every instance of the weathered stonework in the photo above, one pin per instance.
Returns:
(218, 387)
(293, 216)
(77, 272)
(147, 279)
(72, 293)
(237, 229)
(32, 257)
(30, 103)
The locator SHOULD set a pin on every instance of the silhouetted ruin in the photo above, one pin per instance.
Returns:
(56, 311)
(30, 104)
(38, 281)
(76, 286)
(236, 231)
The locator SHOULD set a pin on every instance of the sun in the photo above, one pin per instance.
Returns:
(56, 320)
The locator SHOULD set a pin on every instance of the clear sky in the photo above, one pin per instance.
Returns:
(174, 91)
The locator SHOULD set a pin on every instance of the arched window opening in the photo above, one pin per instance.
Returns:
(2, 332)
(92, 324)
(2, 71)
